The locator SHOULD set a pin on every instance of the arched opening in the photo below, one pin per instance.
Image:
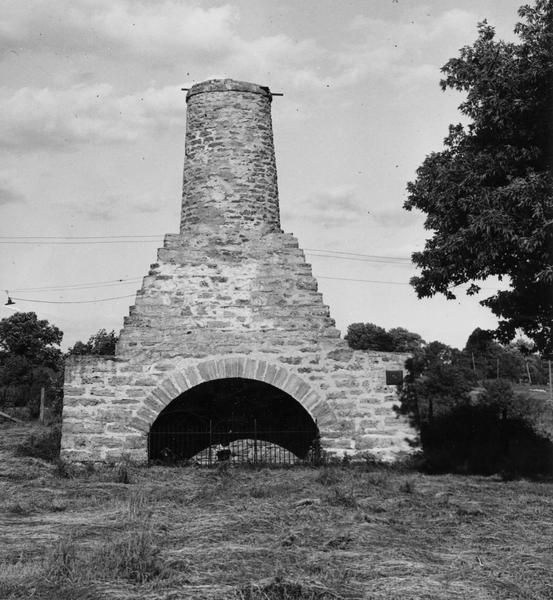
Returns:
(244, 420)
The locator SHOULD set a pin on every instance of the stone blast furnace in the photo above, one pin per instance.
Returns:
(229, 344)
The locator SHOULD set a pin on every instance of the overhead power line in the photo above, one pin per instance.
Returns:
(80, 286)
(75, 237)
(77, 243)
(33, 300)
(72, 301)
(362, 280)
(375, 259)
(401, 258)
(130, 239)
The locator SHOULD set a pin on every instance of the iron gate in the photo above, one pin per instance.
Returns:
(236, 442)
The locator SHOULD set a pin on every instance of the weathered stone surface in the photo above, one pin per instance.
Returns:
(230, 296)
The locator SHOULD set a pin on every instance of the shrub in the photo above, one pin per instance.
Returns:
(482, 439)
(45, 445)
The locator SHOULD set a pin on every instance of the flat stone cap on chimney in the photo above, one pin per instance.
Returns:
(227, 85)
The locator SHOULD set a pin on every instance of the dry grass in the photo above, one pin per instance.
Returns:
(269, 534)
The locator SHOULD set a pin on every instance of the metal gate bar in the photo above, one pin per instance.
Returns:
(209, 447)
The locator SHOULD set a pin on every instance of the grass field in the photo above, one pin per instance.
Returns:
(125, 532)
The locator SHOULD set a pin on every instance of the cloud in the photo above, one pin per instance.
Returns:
(398, 54)
(332, 207)
(33, 118)
(120, 26)
(117, 205)
(170, 33)
(396, 218)
(9, 194)
(402, 52)
(208, 41)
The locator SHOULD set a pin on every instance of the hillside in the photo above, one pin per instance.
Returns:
(238, 533)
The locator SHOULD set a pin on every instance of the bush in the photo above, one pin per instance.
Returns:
(462, 434)
(45, 445)
(368, 336)
(484, 440)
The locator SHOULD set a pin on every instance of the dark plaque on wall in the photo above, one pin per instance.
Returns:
(394, 377)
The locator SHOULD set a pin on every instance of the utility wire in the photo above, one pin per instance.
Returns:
(363, 280)
(73, 237)
(116, 239)
(73, 301)
(79, 243)
(374, 260)
(402, 258)
(378, 281)
(80, 286)
(135, 280)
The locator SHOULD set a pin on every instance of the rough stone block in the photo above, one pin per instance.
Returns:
(341, 355)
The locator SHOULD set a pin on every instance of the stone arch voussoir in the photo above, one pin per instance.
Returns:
(181, 379)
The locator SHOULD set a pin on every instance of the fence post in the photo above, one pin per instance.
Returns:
(550, 382)
(210, 459)
(255, 441)
(42, 397)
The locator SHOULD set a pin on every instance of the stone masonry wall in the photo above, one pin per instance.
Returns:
(230, 296)
(110, 403)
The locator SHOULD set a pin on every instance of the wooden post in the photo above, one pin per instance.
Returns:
(42, 396)
(255, 440)
(210, 456)
(550, 382)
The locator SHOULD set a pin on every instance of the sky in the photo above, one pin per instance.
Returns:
(92, 123)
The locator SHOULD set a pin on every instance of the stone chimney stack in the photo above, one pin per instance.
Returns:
(230, 180)
(230, 306)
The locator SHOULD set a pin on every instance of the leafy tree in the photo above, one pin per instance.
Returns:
(491, 360)
(479, 341)
(30, 358)
(463, 432)
(488, 195)
(404, 340)
(438, 378)
(101, 343)
(368, 336)
(24, 335)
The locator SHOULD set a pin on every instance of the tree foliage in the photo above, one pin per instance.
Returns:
(101, 343)
(463, 428)
(491, 360)
(488, 195)
(30, 358)
(24, 336)
(368, 336)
